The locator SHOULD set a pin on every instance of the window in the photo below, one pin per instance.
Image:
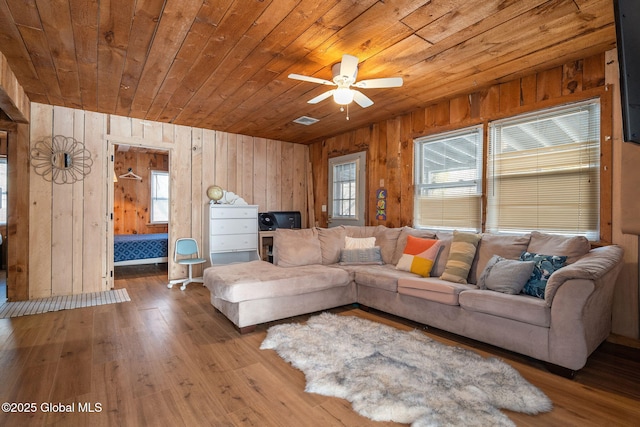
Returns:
(3, 190)
(346, 189)
(448, 180)
(543, 172)
(159, 196)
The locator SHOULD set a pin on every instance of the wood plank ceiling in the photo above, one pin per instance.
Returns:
(223, 64)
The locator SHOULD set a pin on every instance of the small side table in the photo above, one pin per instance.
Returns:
(265, 245)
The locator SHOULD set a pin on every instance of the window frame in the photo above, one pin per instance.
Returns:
(152, 199)
(605, 95)
(557, 153)
(477, 131)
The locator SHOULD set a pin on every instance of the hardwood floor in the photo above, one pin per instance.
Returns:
(168, 358)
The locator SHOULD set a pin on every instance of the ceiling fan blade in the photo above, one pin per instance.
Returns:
(311, 79)
(380, 83)
(361, 99)
(321, 97)
(349, 66)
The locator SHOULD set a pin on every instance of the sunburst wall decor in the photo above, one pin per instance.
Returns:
(61, 159)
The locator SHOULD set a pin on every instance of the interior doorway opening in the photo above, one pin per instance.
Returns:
(4, 151)
(140, 210)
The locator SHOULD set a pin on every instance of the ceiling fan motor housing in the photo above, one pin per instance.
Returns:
(343, 80)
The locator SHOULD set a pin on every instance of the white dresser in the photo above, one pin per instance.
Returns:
(233, 233)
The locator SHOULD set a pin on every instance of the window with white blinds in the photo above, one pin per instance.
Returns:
(543, 172)
(448, 180)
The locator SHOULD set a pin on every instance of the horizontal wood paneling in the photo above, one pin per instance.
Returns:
(69, 245)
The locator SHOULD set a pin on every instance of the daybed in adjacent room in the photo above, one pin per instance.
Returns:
(134, 249)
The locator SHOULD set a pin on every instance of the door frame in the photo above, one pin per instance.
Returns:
(360, 159)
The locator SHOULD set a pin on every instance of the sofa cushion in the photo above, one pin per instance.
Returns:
(293, 248)
(523, 308)
(461, 254)
(331, 242)
(433, 289)
(378, 276)
(419, 255)
(360, 231)
(387, 239)
(573, 247)
(365, 256)
(509, 247)
(402, 240)
(505, 275)
(544, 266)
(260, 279)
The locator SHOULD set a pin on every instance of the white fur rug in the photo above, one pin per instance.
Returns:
(406, 377)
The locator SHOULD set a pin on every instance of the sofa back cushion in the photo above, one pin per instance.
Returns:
(387, 239)
(331, 243)
(573, 247)
(292, 248)
(508, 247)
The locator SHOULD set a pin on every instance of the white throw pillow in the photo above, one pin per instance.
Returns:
(359, 242)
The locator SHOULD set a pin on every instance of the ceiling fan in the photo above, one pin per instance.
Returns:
(344, 76)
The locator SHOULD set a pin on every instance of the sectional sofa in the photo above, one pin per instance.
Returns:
(312, 271)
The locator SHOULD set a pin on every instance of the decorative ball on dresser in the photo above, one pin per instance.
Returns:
(215, 193)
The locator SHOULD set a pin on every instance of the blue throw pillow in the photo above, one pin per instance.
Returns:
(543, 268)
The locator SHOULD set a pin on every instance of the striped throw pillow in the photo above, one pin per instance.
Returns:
(463, 250)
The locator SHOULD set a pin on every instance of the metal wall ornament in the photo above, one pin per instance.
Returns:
(61, 159)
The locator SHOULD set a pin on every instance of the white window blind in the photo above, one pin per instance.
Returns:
(448, 180)
(543, 172)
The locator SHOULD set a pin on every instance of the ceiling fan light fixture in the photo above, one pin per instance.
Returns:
(343, 96)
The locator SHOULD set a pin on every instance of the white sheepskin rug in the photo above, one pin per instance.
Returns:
(405, 377)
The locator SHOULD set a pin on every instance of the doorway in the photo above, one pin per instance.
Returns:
(4, 151)
(140, 211)
(347, 189)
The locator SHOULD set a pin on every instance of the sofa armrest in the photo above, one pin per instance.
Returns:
(592, 266)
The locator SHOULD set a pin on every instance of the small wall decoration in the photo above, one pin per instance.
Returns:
(381, 204)
(61, 159)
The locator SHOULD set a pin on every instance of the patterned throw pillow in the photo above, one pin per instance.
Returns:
(544, 267)
(361, 256)
(419, 255)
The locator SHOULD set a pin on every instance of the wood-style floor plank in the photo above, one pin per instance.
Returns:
(169, 358)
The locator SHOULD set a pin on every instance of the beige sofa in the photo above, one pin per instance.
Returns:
(563, 328)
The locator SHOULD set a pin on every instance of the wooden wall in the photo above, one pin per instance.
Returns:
(71, 250)
(389, 148)
(15, 103)
(132, 197)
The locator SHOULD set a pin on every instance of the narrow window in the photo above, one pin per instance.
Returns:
(159, 197)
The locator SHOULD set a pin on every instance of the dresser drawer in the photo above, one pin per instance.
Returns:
(234, 226)
(235, 242)
(234, 212)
